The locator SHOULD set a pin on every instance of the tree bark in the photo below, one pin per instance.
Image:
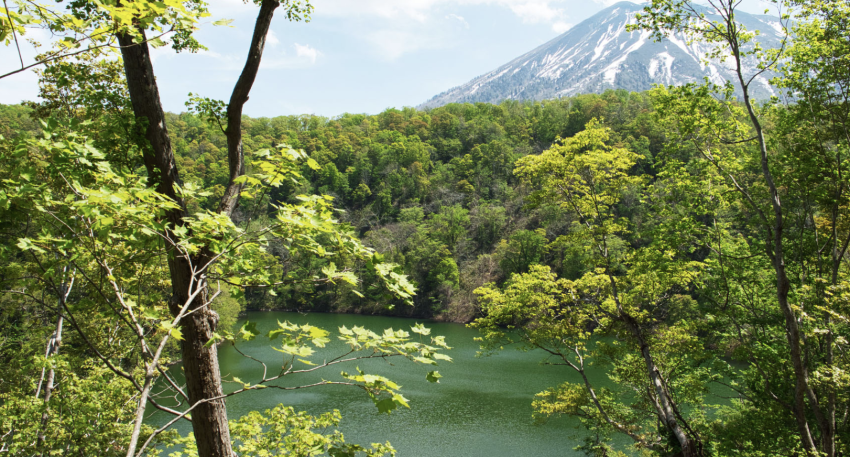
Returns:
(53, 345)
(200, 362)
(238, 98)
(665, 408)
(775, 250)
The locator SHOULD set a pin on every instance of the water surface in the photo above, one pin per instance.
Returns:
(480, 408)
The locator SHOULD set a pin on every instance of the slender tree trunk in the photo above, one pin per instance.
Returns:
(666, 410)
(52, 350)
(690, 447)
(140, 414)
(235, 156)
(776, 252)
(53, 345)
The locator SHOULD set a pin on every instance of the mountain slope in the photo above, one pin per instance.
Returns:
(599, 54)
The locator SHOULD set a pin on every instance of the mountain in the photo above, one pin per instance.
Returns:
(599, 54)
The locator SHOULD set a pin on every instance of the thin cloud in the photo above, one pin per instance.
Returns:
(533, 11)
(561, 26)
(399, 27)
(536, 12)
(307, 52)
(459, 19)
(304, 56)
(271, 39)
(392, 44)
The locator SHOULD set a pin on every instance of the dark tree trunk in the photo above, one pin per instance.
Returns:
(200, 363)
(238, 99)
(775, 250)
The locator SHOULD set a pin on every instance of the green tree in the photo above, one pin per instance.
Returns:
(199, 246)
(625, 293)
(521, 250)
(449, 225)
(107, 242)
(779, 178)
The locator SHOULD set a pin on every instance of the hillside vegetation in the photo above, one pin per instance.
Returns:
(690, 244)
(433, 191)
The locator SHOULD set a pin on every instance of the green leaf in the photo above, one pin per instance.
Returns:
(248, 331)
(156, 42)
(420, 329)
(26, 244)
(215, 338)
(223, 22)
(387, 405)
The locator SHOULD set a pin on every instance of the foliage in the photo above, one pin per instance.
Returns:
(100, 236)
(283, 431)
(632, 293)
(686, 243)
(298, 343)
(380, 168)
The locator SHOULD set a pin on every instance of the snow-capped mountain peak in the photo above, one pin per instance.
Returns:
(600, 53)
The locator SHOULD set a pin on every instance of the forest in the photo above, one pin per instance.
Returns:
(683, 240)
(434, 192)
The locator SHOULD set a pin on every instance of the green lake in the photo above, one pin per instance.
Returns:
(480, 408)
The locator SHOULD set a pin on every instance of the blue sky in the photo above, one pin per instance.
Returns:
(357, 56)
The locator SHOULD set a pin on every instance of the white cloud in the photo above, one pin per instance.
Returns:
(459, 19)
(162, 53)
(536, 11)
(227, 9)
(422, 10)
(561, 26)
(305, 56)
(392, 44)
(389, 9)
(307, 52)
(271, 39)
(398, 27)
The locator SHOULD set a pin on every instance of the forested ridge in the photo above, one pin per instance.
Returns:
(434, 192)
(690, 244)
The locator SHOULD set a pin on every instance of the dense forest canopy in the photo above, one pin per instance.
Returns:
(434, 192)
(682, 239)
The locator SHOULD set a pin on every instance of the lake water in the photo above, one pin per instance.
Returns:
(480, 408)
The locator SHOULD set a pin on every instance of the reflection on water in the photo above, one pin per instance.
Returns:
(480, 408)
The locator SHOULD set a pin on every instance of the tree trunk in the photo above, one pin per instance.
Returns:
(776, 252)
(238, 98)
(200, 363)
(690, 447)
(664, 405)
(53, 345)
